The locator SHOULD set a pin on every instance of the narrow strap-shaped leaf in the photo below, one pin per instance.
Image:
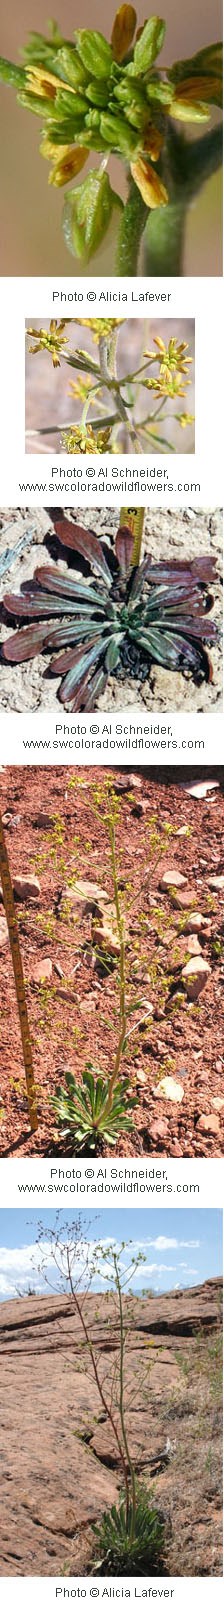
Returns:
(124, 545)
(85, 542)
(66, 584)
(77, 673)
(25, 644)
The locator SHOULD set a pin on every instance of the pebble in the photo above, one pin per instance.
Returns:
(4, 937)
(218, 1103)
(159, 1130)
(26, 887)
(183, 901)
(172, 879)
(194, 976)
(216, 882)
(208, 1123)
(170, 1089)
(42, 971)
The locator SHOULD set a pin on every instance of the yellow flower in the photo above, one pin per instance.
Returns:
(53, 339)
(66, 164)
(185, 419)
(153, 142)
(45, 84)
(152, 190)
(80, 390)
(85, 441)
(99, 328)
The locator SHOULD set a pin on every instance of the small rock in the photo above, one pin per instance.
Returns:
(42, 971)
(195, 922)
(183, 901)
(26, 887)
(58, 970)
(192, 944)
(67, 994)
(4, 937)
(87, 894)
(104, 935)
(199, 789)
(218, 1103)
(208, 1123)
(216, 882)
(172, 879)
(159, 1130)
(47, 821)
(170, 1089)
(182, 831)
(139, 809)
(194, 976)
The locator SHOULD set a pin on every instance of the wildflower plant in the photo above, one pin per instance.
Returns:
(121, 610)
(117, 425)
(129, 1538)
(99, 99)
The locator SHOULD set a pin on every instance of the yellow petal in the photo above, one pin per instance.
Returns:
(153, 142)
(69, 164)
(149, 184)
(123, 31)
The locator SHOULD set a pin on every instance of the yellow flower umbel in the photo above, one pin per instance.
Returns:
(84, 441)
(173, 369)
(99, 328)
(53, 340)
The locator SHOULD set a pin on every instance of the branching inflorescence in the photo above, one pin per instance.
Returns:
(160, 610)
(101, 98)
(118, 426)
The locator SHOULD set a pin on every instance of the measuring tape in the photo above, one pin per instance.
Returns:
(133, 517)
(19, 978)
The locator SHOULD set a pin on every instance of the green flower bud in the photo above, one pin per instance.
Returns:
(97, 93)
(12, 75)
(149, 44)
(95, 53)
(157, 90)
(92, 120)
(37, 104)
(117, 135)
(87, 214)
(70, 106)
(71, 68)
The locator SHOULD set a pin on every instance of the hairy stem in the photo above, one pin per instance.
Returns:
(164, 240)
(19, 979)
(132, 224)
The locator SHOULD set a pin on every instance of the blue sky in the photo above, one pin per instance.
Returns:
(181, 1247)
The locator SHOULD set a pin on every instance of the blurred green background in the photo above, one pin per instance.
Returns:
(31, 236)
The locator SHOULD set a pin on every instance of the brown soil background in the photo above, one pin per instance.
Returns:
(75, 1016)
(61, 1471)
(173, 535)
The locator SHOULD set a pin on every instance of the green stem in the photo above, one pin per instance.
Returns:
(132, 224)
(164, 240)
(121, 1407)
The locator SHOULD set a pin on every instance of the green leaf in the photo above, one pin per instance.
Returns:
(149, 44)
(95, 52)
(113, 653)
(87, 214)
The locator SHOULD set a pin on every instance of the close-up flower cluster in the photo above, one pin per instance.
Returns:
(113, 98)
(121, 399)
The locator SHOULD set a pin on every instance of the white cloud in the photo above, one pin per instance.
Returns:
(18, 1265)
